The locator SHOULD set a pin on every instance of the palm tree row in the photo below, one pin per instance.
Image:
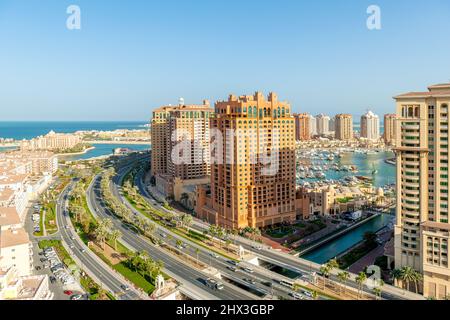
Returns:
(407, 275)
(142, 263)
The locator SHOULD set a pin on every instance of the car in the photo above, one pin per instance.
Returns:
(83, 250)
(67, 227)
(233, 262)
(251, 281)
(76, 297)
(72, 237)
(163, 235)
(307, 293)
(234, 269)
(68, 292)
(297, 296)
(38, 268)
(247, 269)
(42, 259)
(214, 255)
(125, 287)
(71, 246)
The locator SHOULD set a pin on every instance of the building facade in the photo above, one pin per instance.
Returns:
(344, 127)
(389, 129)
(245, 191)
(302, 127)
(180, 146)
(312, 126)
(422, 230)
(370, 126)
(51, 141)
(323, 124)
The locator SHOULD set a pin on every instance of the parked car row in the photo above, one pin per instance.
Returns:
(52, 261)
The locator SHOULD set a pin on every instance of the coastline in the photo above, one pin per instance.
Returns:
(76, 153)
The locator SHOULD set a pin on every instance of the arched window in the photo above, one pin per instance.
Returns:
(255, 112)
(416, 112)
(274, 113)
(410, 112)
(245, 109)
(279, 112)
(260, 113)
(283, 112)
(249, 111)
(265, 112)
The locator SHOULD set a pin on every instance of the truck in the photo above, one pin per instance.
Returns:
(213, 284)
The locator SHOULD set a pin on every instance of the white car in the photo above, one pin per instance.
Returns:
(297, 296)
(249, 270)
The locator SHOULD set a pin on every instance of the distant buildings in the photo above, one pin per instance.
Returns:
(245, 192)
(422, 230)
(323, 124)
(172, 125)
(344, 127)
(370, 126)
(302, 127)
(312, 126)
(51, 141)
(389, 134)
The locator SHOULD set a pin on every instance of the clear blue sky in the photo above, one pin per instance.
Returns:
(132, 56)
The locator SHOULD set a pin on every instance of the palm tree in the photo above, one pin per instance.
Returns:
(331, 265)
(186, 220)
(408, 275)
(115, 234)
(397, 276)
(315, 295)
(343, 278)
(325, 272)
(360, 280)
(197, 251)
(377, 292)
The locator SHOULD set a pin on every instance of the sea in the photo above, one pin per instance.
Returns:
(19, 130)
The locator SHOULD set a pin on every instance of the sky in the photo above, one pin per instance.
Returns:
(130, 57)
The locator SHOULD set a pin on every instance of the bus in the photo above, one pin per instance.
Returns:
(288, 284)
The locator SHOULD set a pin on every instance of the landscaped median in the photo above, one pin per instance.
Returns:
(102, 239)
(167, 221)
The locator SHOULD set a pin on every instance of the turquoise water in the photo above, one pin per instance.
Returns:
(330, 250)
(365, 163)
(104, 150)
(19, 130)
(2, 149)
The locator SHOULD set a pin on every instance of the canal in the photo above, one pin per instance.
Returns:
(333, 248)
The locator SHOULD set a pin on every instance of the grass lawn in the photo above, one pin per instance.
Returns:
(134, 277)
(280, 232)
(50, 215)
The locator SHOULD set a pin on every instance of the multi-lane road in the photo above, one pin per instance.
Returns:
(86, 259)
(191, 279)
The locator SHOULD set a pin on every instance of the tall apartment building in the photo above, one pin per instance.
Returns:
(389, 129)
(243, 192)
(344, 127)
(422, 230)
(370, 126)
(302, 127)
(323, 124)
(312, 126)
(174, 128)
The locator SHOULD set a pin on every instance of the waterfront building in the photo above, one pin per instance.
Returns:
(312, 126)
(302, 127)
(389, 129)
(422, 230)
(245, 192)
(51, 141)
(370, 126)
(344, 127)
(332, 125)
(323, 124)
(186, 126)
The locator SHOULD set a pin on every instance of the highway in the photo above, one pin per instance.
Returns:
(185, 274)
(87, 260)
(255, 282)
(285, 260)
